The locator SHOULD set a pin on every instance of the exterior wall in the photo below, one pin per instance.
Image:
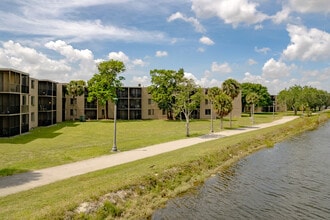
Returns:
(47, 100)
(150, 109)
(14, 102)
(206, 105)
(33, 103)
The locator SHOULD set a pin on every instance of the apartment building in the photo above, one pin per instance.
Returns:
(26, 103)
(14, 106)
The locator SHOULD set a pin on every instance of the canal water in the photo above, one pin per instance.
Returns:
(289, 181)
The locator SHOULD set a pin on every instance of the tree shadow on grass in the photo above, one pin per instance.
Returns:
(48, 132)
(18, 179)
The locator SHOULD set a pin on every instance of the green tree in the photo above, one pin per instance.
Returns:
(223, 105)
(164, 84)
(252, 98)
(104, 84)
(75, 88)
(260, 90)
(187, 99)
(232, 88)
(291, 97)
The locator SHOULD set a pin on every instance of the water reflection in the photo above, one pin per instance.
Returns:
(289, 181)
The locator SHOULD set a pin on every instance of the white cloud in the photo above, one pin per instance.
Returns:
(221, 68)
(42, 20)
(258, 27)
(204, 82)
(121, 56)
(282, 15)
(141, 80)
(276, 69)
(69, 52)
(206, 40)
(198, 27)
(263, 50)
(307, 44)
(139, 62)
(161, 53)
(251, 62)
(308, 6)
(38, 65)
(231, 12)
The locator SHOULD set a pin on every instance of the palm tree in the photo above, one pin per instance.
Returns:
(76, 88)
(252, 98)
(232, 88)
(223, 105)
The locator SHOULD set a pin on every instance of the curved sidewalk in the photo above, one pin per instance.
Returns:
(25, 181)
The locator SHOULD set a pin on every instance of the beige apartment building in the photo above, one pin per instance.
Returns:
(27, 103)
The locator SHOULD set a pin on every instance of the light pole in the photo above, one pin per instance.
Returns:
(273, 109)
(212, 117)
(114, 147)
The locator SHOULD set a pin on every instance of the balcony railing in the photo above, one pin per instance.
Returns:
(9, 109)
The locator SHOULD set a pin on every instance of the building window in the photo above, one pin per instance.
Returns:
(149, 101)
(151, 111)
(206, 101)
(207, 111)
(32, 116)
(71, 112)
(32, 84)
(164, 112)
(32, 100)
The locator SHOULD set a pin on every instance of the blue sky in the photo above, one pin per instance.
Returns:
(278, 43)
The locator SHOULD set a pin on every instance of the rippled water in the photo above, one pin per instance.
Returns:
(289, 181)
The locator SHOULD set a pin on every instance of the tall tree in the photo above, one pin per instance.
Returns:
(223, 105)
(232, 88)
(104, 84)
(75, 88)
(291, 97)
(164, 84)
(252, 98)
(187, 99)
(260, 90)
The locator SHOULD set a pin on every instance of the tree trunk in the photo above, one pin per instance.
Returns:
(187, 126)
(106, 110)
(230, 119)
(221, 123)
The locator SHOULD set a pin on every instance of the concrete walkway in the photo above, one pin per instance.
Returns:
(25, 181)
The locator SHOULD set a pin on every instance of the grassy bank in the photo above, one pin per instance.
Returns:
(134, 190)
(73, 141)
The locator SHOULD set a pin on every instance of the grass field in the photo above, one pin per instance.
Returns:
(148, 183)
(73, 141)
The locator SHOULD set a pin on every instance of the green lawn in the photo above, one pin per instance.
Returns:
(73, 141)
(152, 180)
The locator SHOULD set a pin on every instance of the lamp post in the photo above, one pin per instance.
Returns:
(114, 147)
(273, 109)
(212, 116)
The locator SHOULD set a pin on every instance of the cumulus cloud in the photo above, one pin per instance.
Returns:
(307, 44)
(121, 56)
(221, 68)
(179, 16)
(14, 55)
(140, 80)
(161, 53)
(308, 6)
(231, 12)
(282, 15)
(206, 40)
(276, 69)
(204, 82)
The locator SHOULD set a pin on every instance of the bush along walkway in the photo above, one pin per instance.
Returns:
(25, 181)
